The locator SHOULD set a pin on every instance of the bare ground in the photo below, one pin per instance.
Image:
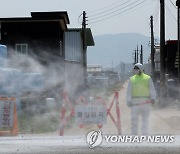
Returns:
(162, 121)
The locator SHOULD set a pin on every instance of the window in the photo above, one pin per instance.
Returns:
(22, 48)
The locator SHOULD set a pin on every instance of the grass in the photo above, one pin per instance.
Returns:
(39, 122)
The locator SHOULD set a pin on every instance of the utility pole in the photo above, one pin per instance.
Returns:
(162, 50)
(84, 46)
(178, 25)
(162, 41)
(152, 48)
(135, 58)
(137, 55)
(141, 55)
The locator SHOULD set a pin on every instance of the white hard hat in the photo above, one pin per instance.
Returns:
(140, 66)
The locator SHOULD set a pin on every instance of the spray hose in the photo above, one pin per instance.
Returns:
(146, 102)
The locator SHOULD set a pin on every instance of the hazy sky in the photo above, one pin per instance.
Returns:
(123, 15)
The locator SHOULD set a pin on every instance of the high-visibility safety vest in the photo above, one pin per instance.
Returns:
(140, 86)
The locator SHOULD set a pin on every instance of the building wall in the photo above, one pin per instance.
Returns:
(39, 36)
(73, 46)
(74, 73)
(94, 68)
(74, 69)
(60, 52)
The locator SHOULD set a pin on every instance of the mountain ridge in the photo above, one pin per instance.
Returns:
(111, 49)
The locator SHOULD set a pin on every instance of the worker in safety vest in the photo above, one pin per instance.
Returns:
(140, 94)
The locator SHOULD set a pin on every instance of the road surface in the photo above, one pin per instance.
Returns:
(163, 121)
(74, 145)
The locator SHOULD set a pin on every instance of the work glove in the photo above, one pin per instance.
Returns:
(129, 104)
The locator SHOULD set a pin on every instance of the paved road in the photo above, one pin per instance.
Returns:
(78, 145)
(75, 143)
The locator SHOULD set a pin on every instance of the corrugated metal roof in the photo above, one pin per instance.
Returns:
(89, 36)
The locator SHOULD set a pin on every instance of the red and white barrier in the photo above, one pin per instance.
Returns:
(66, 103)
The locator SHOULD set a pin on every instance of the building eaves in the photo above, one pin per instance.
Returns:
(56, 14)
(61, 17)
(89, 36)
(28, 19)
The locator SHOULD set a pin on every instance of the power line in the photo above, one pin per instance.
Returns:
(173, 4)
(106, 14)
(170, 13)
(98, 10)
(118, 13)
(156, 14)
(156, 19)
(80, 22)
(124, 13)
(110, 9)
